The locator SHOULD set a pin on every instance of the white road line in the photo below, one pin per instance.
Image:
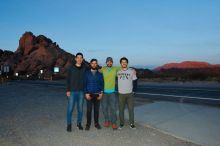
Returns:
(190, 97)
(178, 89)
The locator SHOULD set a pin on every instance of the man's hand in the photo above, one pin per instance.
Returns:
(68, 93)
(88, 97)
(100, 96)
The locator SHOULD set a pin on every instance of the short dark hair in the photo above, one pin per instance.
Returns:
(123, 58)
(79, 53)
(93, 60)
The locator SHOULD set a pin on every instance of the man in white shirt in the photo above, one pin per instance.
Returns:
(126, 76)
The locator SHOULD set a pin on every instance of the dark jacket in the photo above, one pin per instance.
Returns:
(75, 78)
(93, 83)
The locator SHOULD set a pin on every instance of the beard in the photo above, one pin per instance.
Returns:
(124, 66)
(93, 68)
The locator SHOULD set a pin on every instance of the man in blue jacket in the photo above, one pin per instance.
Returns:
(93, 88)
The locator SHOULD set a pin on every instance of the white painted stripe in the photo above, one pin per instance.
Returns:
(198, 89)
(190, 97)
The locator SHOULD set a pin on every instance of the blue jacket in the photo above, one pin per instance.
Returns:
(93, 83)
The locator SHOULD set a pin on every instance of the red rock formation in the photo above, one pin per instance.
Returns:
(38, 52)
(26, 43)
(187, 65)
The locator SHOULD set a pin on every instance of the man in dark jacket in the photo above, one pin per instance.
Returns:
(75, 94)
(93, 87)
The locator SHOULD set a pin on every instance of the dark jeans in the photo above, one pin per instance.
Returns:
(96, 103)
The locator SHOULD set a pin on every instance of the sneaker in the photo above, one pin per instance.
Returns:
(132, 126)
(69, 128)
(87, 127)
(106, 124)
(80, 127)
(121, 126)
(114, 126)
(98, 126)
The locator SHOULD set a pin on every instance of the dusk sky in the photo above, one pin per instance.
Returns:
(148, 32)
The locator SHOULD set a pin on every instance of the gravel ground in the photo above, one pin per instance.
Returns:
(35, 115)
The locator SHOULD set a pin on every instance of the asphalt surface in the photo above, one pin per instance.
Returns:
(189, 94)
(192, 92)
(34, 113)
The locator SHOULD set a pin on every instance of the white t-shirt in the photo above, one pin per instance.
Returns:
(125, 80)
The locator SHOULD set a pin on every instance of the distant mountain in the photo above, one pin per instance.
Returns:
(36, 53)
(187, 65)
(141, 73)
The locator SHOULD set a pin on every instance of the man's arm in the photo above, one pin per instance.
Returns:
(118, 68)
(68, 82)
(102, 87)
(134, 78)
(100, 70)
(86, 65)
(135, 83)
(85, 83)
(88, 97)
(102, 82)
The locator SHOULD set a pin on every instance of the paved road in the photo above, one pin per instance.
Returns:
(199, 92)
(200, 95)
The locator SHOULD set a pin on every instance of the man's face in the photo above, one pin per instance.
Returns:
(79, 59)
(124, 64)
(109, 63)
(93, 65)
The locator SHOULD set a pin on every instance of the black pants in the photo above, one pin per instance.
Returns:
(96, 103)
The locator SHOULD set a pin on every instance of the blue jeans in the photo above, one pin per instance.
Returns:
(109, 107)
(75, 98)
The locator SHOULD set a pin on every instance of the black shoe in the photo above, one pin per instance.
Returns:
(69, 128)
(98, 126)
(87, 127)
(121, 126)
(80, 127)
(132, 126)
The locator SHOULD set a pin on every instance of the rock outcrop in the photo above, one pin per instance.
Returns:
(36, 53)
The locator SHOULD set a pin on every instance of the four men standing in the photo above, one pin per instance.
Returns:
(90, 83)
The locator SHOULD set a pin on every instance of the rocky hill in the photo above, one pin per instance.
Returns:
(36, 53)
